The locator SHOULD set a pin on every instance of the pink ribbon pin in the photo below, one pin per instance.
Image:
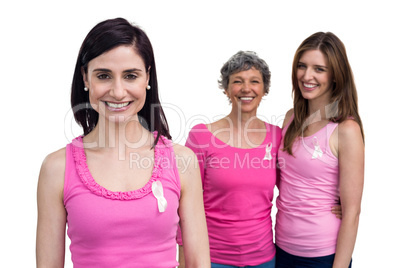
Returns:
(157, 190)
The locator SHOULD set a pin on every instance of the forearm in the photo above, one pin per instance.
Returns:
(182, 263)
(346, 240)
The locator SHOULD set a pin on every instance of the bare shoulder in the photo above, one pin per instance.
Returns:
(55, 161)
(350, 140)
(345, 137)
(52, 170)
(187, 164)
(182, 151)
(184, 156)
(287, 117)
(349, 130)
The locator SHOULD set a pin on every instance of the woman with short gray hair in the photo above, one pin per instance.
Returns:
(237, 158)
(241, 61)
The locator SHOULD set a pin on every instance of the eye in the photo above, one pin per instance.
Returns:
(236, 82)
(131, 76)
(103, 76)
(318, 69)
(255, 81)
(301, 66)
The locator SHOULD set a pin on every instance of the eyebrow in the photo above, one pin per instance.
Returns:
(125, 71)
(252, 77)
(321, 66)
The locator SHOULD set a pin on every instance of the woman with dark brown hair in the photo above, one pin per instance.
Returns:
(323, 154)
(119, 187)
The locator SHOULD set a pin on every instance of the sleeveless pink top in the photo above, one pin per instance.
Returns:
(308, 188)
(121, 229)
(238, 191)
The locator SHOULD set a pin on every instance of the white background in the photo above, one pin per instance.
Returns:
(40, 42)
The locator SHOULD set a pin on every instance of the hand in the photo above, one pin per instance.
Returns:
(337, 210)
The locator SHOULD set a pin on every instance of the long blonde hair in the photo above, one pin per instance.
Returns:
(344, 94)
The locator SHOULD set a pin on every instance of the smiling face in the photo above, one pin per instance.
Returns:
(245, 90)
(313, 75)
(117, 81)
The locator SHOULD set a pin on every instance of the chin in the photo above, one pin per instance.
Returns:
(120, 119)
(308, 95)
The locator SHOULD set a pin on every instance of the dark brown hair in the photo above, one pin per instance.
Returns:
(103, 37)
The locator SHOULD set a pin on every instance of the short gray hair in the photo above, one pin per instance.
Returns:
(243, 61)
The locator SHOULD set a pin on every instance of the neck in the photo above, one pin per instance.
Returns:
(320, 103)
(319, 111)
(319, 106)
(244, 120)
(119, 136)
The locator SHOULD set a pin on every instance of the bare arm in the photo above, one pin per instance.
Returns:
(51, 226)
(285, 122)
(351, 178)
(182, 262)
(288, 115)
(192, 216)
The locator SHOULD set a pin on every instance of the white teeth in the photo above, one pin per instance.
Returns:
(309, 85)
(246, 98)
(117, 105)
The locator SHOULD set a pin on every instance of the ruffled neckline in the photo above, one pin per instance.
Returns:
(87, 179)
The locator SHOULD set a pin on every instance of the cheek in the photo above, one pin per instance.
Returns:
(233, 89)
(299, 75)
(228, 91)
(327, 79)
(139, 92)
(262, 90)
(93, 100)
(96, 91)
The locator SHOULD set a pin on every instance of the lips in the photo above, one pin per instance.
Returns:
(120, 106)
(246, 99)
(309, 86)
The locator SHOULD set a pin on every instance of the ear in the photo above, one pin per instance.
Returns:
(85, 77)
(149, 68)
(225, 91)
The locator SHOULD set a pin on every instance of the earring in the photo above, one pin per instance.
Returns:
(148, 87)
(86, 89)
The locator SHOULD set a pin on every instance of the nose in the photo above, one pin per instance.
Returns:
(118, 91)
(308, 74)
(246, 87)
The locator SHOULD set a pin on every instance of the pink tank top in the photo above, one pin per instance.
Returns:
(308, 188)
(121, 229)
(238, 191)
